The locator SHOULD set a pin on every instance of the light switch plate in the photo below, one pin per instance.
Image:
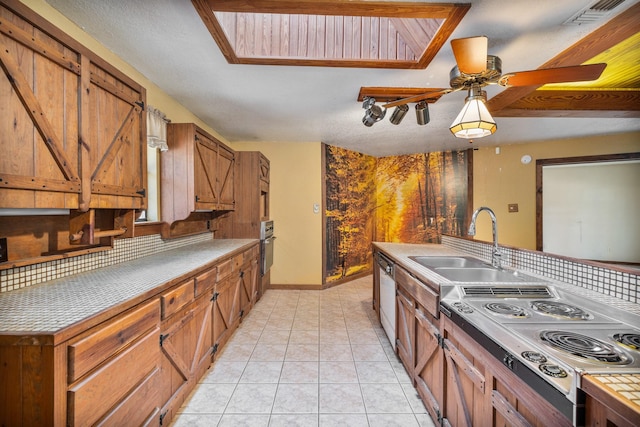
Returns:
(513, 207)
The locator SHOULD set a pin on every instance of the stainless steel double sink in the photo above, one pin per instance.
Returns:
(470, 270)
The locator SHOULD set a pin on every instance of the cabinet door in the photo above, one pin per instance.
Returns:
(429, 362)
(204, 169)
(225, 178)
(248, 287)
(116, 142)
(466, 404)
(405, 329)
(226, 310)
(55, 94)
(39, 101)
(185, 343)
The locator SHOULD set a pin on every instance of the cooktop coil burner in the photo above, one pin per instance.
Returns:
(506, 309)
(561, 310)
(631, 341)
(584, 346)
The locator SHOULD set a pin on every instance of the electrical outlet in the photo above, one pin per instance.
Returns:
(4, 253)
(513, 207)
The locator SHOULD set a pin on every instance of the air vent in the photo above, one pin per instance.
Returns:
(594, 12)
(507, 291)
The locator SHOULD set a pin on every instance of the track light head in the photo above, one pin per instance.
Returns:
(398, 114)
(422, 113)
(373, 113)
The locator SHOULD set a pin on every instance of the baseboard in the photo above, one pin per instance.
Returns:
(320, 287)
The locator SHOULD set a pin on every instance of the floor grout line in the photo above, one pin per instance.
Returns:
(350, 304)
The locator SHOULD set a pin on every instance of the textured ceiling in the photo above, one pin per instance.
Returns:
(167, 41)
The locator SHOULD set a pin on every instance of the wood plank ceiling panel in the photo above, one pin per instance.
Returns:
(336, 33)
(615, 94)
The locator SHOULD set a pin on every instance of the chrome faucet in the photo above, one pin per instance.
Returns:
(496, 254)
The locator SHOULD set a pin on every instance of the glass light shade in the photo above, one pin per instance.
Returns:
(474, 121)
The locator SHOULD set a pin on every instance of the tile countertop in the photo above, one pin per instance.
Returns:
(401, 253)
(52, 306)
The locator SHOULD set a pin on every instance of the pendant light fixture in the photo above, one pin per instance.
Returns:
(474, 121)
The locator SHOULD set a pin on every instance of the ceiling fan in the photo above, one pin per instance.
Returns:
(476, 69)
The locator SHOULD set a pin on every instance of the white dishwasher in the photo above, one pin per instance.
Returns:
(387, 297)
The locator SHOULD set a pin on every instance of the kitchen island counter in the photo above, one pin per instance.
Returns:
(50, 312)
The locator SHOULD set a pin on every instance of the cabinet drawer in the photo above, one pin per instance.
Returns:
(95, 348)
(205, 281)
(93, 397)
(173, 300)
(141, 407)
(224, 269)
(419, 291)
(249, 255)
(237, 262)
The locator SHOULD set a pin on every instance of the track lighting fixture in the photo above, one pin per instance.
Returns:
(422, 113)
(474, 121)
(398, 114)
(373, 113)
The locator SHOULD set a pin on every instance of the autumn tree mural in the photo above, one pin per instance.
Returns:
(421, 196)
(410, 199)
(350, 202)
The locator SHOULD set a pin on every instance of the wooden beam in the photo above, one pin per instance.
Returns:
(388, 94)
(613, 32)
(575, 103)
(339, 7)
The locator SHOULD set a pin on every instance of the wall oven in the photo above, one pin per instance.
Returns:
(266, 246)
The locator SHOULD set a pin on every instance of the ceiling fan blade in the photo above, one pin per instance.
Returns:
(471, 54)
(417, 98)
(576, 73)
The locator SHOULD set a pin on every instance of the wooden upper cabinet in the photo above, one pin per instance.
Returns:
(72, 129)
(117, 142)
(197, 173)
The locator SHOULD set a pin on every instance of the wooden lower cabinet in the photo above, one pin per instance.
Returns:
(226, 310)
(186, 346)
(481, 391)
(417, 343)
(460, 383)
(605, 406)
(113, 370)
(248, 286)
(428, 363)
(136, 368)
(405, 328)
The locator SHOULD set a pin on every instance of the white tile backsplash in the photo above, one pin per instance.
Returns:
(123, 250)
(607, 281)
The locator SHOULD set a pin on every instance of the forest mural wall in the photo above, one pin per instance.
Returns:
(410, 199)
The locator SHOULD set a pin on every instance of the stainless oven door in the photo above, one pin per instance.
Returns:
(266, 254)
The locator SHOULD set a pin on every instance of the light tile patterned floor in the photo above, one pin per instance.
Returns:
(307, 358)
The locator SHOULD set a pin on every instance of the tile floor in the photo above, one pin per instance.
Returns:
(307, 358)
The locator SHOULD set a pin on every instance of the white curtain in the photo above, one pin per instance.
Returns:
(156, 129)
